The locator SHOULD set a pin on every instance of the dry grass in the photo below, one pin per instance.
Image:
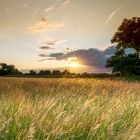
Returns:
(72, 109)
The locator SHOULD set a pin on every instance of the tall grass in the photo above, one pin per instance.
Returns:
(72, 109)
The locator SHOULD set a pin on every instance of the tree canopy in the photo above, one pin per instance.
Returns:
(6, 69)
(127, 36)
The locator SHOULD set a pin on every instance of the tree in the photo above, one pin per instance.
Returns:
(85, 74)
(66, 73)
(44, 72)
(56, 72)
(8, 69)
(32, 72)
(128, 35)
(124, 65)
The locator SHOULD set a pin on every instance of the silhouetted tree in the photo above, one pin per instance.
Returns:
(56, 72)
(44, 72)
(128, 35)
(85, 74)
(125, 65)
(65, 73)
(8, 69)
(32, 72)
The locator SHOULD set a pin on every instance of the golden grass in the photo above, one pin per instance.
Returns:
(72, 109)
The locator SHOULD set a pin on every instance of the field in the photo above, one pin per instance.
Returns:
(72, 109)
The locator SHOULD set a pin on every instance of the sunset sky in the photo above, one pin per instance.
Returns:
(47, 34)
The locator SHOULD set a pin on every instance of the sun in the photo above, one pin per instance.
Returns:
(74, 65)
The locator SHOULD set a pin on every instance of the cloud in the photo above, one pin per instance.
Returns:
(58, 5)
(43, 55)
(68, 50)
(52, 56)
(48, 44)
(53, 42)
(45, 48)
(109, 51)
(44, 25)
(64, 4)
(41, 60)
(88, 57)
(57, 56)
(111, 16)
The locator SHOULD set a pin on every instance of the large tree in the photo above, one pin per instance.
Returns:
(124, 65)
(128, 34)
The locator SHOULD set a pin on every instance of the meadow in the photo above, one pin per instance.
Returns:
(69, 109)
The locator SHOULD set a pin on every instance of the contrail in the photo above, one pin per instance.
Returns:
(111, 16)
(58, 5)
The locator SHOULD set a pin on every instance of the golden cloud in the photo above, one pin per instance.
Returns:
(44, 25)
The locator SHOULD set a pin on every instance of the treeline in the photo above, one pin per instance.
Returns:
(65, 73)
(10, 70)
(49, 73)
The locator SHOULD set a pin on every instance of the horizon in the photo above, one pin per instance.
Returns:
(71, 70)
(61, 33)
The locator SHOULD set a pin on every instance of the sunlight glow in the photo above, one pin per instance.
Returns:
(74, 65)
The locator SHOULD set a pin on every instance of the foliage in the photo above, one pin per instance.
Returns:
(125, 65)
(127, 36)
(65, 73)
(44, 72)
(56, 72)
(32, 72)
(6, 69)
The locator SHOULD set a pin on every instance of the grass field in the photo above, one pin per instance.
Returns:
(72, 109)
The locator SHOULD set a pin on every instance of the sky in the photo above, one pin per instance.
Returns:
(57, 34)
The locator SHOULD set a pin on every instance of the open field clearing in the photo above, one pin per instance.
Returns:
(72, 109)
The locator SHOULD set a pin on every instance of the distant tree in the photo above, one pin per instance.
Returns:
(41, 72)
(66, 73)
(128, 35)
(85, 74)
(44, 72)
(6, 69)
(73, 75)
(56, 72)
(32, 72)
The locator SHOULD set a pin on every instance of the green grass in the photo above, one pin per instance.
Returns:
(72, 109)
